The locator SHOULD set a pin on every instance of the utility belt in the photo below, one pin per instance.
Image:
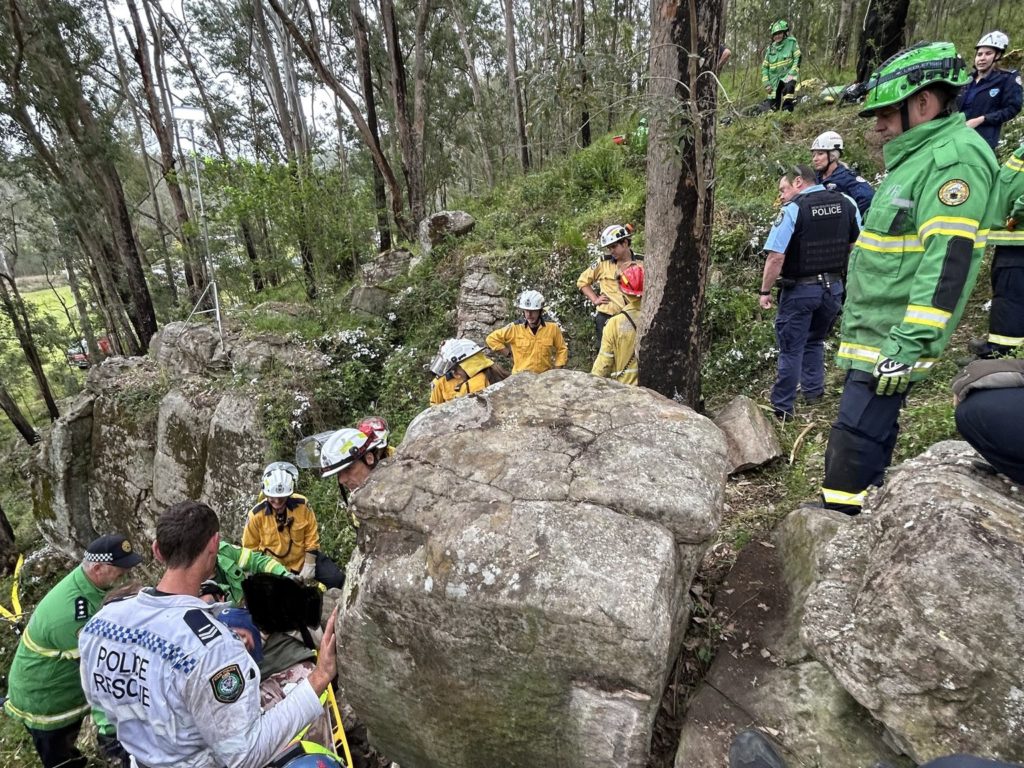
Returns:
(823, 278)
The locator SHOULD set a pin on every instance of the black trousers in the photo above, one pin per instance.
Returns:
(56, 748)
(1006, 320)
(328, 573)
(991, 421)
(785, 95)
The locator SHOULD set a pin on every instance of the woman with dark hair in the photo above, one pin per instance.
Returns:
(994, 95)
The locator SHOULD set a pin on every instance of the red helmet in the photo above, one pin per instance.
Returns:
(631, 281)
(375, 428)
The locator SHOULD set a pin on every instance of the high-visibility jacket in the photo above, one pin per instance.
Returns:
(919, 251)
(44, 690)
(537, 350)
(234, 563)
(288, 543)
(617, 358)
(450, 386)
(1008, 200)
(605, 273)
(781, 59)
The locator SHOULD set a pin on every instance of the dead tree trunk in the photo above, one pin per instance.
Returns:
(680, 194)
(580, 24)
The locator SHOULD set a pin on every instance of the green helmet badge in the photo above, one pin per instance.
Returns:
(909, 71)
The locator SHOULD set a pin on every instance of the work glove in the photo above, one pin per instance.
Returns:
(308, 570)
(1002, 373)
(893, 377)
(1011, 224)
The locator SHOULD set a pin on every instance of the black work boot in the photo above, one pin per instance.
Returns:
(980, 347)
(751, 749)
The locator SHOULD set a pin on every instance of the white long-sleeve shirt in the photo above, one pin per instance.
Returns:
(181, 688)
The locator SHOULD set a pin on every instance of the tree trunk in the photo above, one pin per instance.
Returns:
(362, 45)
(20, 422)
(8, 551)
(15, 309)
(84, 321)
(843, 33)
(881, 35)
(518, 114)
(478, 98)
(680, 194)
(580, 24)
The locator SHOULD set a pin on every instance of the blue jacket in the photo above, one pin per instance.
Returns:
(997, 97)
(846, 181)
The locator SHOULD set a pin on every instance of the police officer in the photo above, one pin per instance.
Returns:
(535, 342)
(914, 264)
(994, 95)
(807, 251)
(825, 153)
(1006, 319)
(617, 239)
(617, 358)
(780, 69)
(44, 691)
(181, 689)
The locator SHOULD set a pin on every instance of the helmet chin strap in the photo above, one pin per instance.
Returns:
(905, 115)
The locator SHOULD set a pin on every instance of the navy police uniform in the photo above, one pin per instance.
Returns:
(846, 181)
(997, 97)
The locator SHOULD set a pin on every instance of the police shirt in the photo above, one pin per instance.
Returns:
(181, 688)
(785, 223)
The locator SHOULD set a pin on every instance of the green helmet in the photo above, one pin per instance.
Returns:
(779, 26)
(909, 71)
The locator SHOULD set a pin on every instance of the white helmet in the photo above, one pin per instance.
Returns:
(827, 142)
(287, 466)
(997, 40)
(530, 300)
(278, 484)
(614, 234)
(451, 353)
(341, 449)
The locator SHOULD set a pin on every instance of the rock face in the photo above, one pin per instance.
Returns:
(437, 227)
(751, 439)
(919, 609)
(520, 590)
(371, 300)
(148, 432)
(387, 266)
(483, 303)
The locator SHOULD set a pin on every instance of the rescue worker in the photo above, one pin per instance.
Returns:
(234, 563)
(44, 691)
(989, 398)
(1006, 318)
(608, 299)
(833, 174)
(914, 264)
(181, 689)
(352, 455)
(535, 342)
(617, 358)
(461, 368)
(993, 96)
(780, 69)
(807, 251)
(284, 526)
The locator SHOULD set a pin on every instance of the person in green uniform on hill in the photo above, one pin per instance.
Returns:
(780, 69)
(915, 262)
(44, 690)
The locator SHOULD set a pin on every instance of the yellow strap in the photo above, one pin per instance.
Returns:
(15, 602)
(339, 730)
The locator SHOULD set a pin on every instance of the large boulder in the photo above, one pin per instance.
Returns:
(520, 591)
(751, 439)
(436, 227)
(386, 266)
(920, 606)
(483, 305)
(370, 300)
(266, 352)
(185, 348)
(182, 430)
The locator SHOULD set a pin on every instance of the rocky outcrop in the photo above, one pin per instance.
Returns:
(521, 587)
(386, 266)
(438, 226)
(370, 300)
(751, 439)
(483, 304)
(919, 608)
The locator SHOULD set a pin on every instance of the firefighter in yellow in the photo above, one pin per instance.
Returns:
(462, 368)
(535, 341)
(605, 274)
(617, 358)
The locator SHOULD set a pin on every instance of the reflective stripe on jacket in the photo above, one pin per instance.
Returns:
(918, 254)
(1008, 198)
(617, 359)
(532, 350)
(781, 59)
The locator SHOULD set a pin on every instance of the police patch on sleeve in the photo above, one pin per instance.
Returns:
(81, 608)
(201, 625)
(954, 192)
(228, 684)
(778, 219)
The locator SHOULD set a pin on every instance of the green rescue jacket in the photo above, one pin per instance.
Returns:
(1009, 201)
(780, 59)
(234, 563)
(44, 690)
(918, 254)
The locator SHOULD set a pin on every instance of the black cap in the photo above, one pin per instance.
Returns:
(114, 549)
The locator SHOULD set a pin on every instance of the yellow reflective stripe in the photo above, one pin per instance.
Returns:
(842, 497)
(930, 316)
(1004, 236)
(243, 558)
(1015, 164)
(623, 372)
(52, 653)
(858, 352)
(954, 226)
(31, 719)
(887, 243)
(607, 354)
(1006, 341)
